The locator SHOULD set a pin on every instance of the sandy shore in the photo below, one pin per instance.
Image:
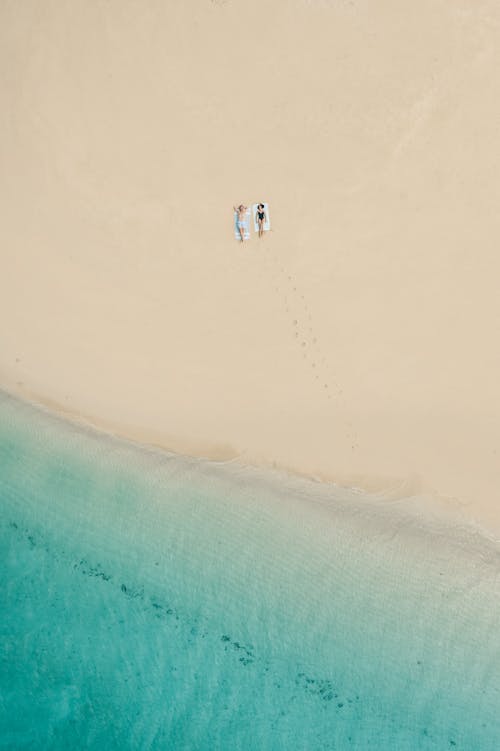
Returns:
(357, 341)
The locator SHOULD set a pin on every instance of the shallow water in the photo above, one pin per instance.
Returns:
(157, 602)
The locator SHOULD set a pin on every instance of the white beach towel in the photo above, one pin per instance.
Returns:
(246, 232)
(267, 223)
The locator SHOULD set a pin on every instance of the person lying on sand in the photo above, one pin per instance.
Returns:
(241, 222)
(260, 218)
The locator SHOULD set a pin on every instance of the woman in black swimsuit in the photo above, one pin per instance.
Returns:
(261, 218)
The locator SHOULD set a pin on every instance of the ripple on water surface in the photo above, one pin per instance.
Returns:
(157, 602)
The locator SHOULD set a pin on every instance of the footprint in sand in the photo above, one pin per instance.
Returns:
(304, 344)
(319, 364)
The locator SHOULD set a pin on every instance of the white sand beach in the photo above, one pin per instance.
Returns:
(358, 340)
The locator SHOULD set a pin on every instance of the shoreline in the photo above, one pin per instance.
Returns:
(200, 558)
(407, 495)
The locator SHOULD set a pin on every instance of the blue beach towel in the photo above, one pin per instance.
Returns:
(246, 233)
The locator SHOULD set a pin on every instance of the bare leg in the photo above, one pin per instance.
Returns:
(261, 227)
(242, 233)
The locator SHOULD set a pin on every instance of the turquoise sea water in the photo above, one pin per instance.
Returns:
(151, 601)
